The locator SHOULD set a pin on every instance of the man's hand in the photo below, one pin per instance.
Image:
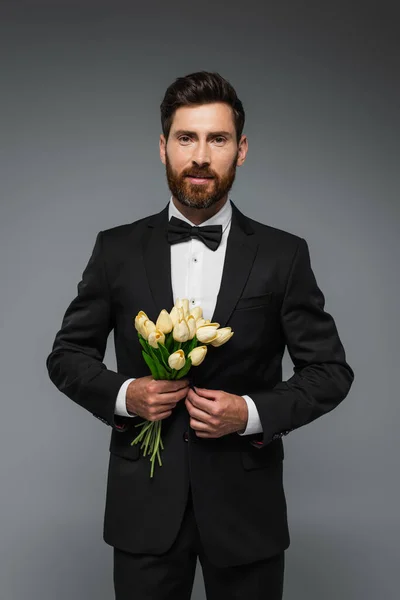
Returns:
(215, 413)
(154, 399)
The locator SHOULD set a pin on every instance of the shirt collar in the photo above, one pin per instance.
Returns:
(222, 217)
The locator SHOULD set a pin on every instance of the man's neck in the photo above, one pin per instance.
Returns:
(199, 215)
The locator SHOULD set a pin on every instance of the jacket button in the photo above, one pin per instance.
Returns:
(186, 436)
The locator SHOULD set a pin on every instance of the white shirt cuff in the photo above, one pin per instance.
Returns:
(120, 405)
(253, 422)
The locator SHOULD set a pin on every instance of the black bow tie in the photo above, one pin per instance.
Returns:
(180, 231)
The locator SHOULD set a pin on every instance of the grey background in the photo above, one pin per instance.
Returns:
(81, 85)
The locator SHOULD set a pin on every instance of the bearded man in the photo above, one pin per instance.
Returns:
(219, 494)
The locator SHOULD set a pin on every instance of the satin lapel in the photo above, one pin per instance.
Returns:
(240, 253)
(156, 256)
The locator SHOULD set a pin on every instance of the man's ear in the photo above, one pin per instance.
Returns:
(243, 149)
(162, 145)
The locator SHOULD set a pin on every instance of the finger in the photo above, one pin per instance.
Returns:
(206, 393)
(168, 397)
(205, 404)
(202, 434)
(199, 425)
(163, 415)
(200, 415)
(172, 386)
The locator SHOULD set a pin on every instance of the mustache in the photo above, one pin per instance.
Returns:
(199, 174)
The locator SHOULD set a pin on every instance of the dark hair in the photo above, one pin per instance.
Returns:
(200, 88)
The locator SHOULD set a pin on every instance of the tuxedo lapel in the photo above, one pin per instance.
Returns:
(240, 253)
(156, 255)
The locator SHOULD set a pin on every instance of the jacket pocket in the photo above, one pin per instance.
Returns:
(120, 444)
(260, 458)
(254, 301)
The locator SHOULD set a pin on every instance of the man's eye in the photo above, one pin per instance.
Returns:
(183, 137)
(221, 138)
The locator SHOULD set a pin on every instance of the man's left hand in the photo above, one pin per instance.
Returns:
(214, 413)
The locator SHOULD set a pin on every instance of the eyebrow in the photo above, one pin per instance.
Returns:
(194, 134)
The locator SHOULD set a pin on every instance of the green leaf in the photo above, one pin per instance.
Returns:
(143, 343)
(185, 369)
(165, 355)
(156, 356)
(164, 374)
(150, 364)
(169, 341)
(193, 343)
(152, 353)
(189, 345)
(176, 346)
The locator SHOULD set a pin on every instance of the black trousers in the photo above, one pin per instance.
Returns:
(171, 575)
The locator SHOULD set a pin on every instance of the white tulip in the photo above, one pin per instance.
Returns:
(200, 321)
(164, 322)
(183, 303)
(148, 327)
(191, 322)
(207, 333)
(155, 337)
(197, 355)
(223, 335)
(197, 312)
(174, 314)
(181, 332)
(139, 320)
(177, 360)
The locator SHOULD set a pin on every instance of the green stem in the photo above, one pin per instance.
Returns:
(151, 432)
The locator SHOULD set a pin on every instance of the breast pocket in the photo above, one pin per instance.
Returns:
(254, 301)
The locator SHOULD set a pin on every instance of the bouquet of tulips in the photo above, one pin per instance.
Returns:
(173, 344)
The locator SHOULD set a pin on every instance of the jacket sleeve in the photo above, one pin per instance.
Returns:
(322, 378)
(75, 363)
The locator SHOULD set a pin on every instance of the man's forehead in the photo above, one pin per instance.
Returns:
(212, 116)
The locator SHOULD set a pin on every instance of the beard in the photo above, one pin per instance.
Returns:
(199, 195)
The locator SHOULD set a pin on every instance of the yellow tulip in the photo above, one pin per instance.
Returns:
(174, 314)
(155, 337)
(197, 312)
(164, 322)
(139, 320)
(177, 360)
(181, 332)
(223, 335)
(207, 333)
(200, 321)
(184, 304)
(197, 355)
(191, 323)
(148, 327)
(141, 313)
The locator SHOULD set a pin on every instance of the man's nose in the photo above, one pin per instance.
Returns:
(201, 156)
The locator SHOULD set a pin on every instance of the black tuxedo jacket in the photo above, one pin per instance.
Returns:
(270, 298)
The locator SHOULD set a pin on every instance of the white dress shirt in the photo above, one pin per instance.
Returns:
(196, 273)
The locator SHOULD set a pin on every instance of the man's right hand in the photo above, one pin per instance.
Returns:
(154, 399)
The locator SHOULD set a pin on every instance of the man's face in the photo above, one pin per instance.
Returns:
(202, 154)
